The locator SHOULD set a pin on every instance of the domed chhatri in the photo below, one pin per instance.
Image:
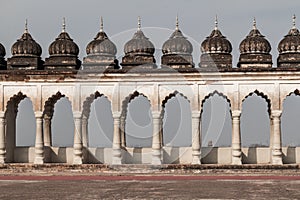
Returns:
(63, 52)
(101, 52)
(216, 50)
(289, 48)
(177, 51)
(139, 51)
(2, 59)
(26, 53)
(255, 50)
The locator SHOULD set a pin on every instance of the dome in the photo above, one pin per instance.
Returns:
(26, 46)
(255, 42)
(291, 42)
(101, 45)
(63, 45)
(177, 43)
(139, 44)
(2, 51)
(216, 42)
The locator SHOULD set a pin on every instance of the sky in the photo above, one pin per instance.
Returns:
(196, 21)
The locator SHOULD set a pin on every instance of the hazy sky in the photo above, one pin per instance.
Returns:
(196, 18)
(274, 19)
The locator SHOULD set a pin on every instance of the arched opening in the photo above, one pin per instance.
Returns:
(216, 123)
(255, 122)
(177, 121)
(25, 124)
(100, 123)
(62, 124)
(290, 121)
(138, 122)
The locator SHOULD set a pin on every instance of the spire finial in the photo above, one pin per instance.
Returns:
(294, 21)
(177, 23)
(254, 24)
(26, 26)
(64, 25)
(216, 22)
(101, 24)
(139, 23)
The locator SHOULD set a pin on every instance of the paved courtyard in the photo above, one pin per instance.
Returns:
(149, 187)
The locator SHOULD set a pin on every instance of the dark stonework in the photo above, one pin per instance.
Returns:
(219, 60)
(26, 54)
(177, 61)
(63, 54)
(288, 60)
(2, 59)
(139, 52)
(255, 51)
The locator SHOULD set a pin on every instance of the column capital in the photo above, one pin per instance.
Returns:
(116, 114)
(77, 114)
(236, 113)
(276, 113)
(38, 114)
(196, 114)
(156, 114)
(2, 114)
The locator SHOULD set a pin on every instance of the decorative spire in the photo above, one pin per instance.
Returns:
(177, 23)
(254, 24)
(64, 25)
(26, 26)
(139, 23)
(216, 23)
(101, 24)
(294, 21)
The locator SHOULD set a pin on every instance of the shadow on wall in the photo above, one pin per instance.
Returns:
(210, 155)
(171, 155)
(289, 155)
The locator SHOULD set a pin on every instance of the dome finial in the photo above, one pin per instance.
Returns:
(26, 26)
(139, 23)
(216, 22)
(294, 21)
(64, 25)
(254, 24)
(177, 23)
(101, 24)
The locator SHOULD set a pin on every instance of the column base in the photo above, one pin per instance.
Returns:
(196, 160)
(156, 157)
(117, 157)
(276, 160)
(77, 161)
(39, 161)
(2, 160)
(236, 161)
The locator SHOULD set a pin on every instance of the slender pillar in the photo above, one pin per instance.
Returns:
(122, 129)
(196, 140)
(47, 131)
(2, 137)
(85, 139)
(276, 147)
(117, 153)
(39, 141)
(156, 139)
(77, 148)
(236, 138)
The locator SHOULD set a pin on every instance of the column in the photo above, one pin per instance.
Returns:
(47, 131)
(156, 139)
(117, 153)
(276, 147)
(85, 137)
(39, 141)
(77, 148)
(122, 129)
(236, 138)
(196, 140)
(2, 137)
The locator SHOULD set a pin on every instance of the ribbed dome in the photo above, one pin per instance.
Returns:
(26, 46)
(63, 45)
(2, 51)
(216, 43)
(139, 44)
(177, 44)
(255, 42)
(101, 45)
(291, 42)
